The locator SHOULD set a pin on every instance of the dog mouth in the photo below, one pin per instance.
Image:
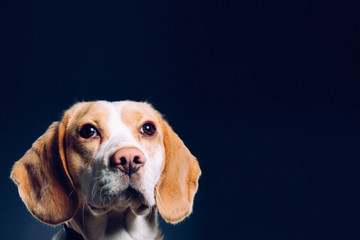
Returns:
(137, 201)
(129, 198)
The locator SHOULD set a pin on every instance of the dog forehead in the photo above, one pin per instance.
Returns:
(136, 112)
(128, 116)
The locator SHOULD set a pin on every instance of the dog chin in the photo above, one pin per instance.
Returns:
(129, 198)
(138, 203)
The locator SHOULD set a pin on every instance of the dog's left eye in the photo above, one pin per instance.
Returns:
(88, 131)
(148, 129)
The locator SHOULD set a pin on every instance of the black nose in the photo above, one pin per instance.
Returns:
(128, 160)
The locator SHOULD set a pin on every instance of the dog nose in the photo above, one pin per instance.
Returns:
(128, 160)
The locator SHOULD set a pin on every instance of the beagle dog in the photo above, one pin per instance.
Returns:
(105, 170)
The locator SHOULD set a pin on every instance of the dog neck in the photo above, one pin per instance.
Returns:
(113, 225)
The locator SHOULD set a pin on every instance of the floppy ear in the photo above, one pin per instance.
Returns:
(43, 179)
(179, 179)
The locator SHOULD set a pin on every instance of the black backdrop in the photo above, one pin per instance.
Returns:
(264, 93)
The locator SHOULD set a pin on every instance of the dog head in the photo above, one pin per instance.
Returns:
(108, 156)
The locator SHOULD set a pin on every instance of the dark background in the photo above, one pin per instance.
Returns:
(264, 93)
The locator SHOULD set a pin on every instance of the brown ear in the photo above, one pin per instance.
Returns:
(179, 179)
(43, 180)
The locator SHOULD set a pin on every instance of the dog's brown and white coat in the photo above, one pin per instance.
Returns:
(106, 169)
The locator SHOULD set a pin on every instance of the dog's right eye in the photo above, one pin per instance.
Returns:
(88, 131)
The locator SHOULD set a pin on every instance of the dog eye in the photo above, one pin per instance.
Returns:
(88, 131)
(148, 129)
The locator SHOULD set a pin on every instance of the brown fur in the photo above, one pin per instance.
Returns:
(42, 180)
(179, 180)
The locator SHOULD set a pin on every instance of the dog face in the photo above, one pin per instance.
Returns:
(108, 156)
(115, 154)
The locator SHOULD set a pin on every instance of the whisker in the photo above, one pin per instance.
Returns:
(95, 178)
(93, 191)
(71, 193)
(101, 193)
(158, 193)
